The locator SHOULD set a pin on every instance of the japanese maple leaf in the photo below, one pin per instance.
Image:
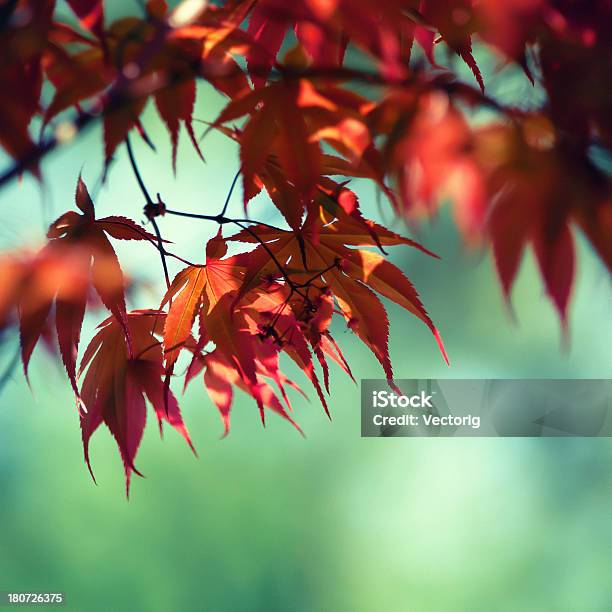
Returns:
(313, 314)
(117, 381)
(455, 22)
(119, 77)
(540, 191)
(280, 143)
(247, 353)
(324, 29)
(510, 25)
(221, 375)
(220, 40)
(507, 24)
(238, 331)
(22, 42)
(335, 197)
(319, 251)
(78, 254)
(276, 121)
(268, 25)
(197, 290)
(205, 291)
(32, 282)
(429, 154)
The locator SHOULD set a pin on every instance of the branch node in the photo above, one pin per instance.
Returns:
(155, 209)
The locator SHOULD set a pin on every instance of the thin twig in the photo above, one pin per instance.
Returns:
(318, 274)
(282, 270)
(229, 195)
(221, 220)
(147, 195)
(141, 184)
(162, 252)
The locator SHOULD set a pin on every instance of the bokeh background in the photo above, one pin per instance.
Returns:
(265, 519)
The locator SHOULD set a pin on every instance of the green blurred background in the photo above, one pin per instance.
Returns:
(267, 520)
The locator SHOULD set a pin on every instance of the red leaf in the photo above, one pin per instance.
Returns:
(83, 199)
(118, 122)
(78, 254)
(123, 228)
(318, 252)
(268, 35)
(556, 258)
(69, 316)
(90, 13)
(175, 104)
(115, 386)
(197, 289)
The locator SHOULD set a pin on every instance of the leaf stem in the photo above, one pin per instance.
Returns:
(282, 270)
(318, 274)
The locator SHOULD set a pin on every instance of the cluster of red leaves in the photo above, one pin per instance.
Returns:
(250, 308)
(299, 115)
